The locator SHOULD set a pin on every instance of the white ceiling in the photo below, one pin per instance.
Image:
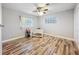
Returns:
(30, 7)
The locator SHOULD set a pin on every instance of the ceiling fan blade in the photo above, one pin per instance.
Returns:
(47, 4)
(44, 12)
(45, 9)
(35, 11)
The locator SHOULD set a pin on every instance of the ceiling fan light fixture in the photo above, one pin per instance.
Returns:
(40, 13)
(42, 8)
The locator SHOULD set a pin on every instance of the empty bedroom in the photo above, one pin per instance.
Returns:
(40, 29)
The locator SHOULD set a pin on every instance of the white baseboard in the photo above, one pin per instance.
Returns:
(60, 36)
(13, 39)
(43, 33)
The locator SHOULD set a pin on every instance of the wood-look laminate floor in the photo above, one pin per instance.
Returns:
(40, 46)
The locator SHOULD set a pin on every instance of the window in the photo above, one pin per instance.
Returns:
(26, 22)
(50, 19)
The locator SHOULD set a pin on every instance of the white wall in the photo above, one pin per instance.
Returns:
(76, 23)
(38, 21)
(63, 27)
(11, 23)
(0, 28)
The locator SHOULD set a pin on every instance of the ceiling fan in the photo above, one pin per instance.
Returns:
(41, 8)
